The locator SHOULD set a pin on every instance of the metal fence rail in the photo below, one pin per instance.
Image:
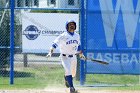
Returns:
(11, 36)
(95, 20)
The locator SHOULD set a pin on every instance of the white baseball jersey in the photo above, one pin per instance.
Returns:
(68, 43)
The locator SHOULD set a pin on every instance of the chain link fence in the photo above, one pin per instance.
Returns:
(4, 37)
(30, 68)
(34, 69)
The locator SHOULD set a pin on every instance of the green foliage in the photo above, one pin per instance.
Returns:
(5, 40)
(53, 11)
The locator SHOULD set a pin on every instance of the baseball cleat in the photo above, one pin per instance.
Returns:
(72, 90)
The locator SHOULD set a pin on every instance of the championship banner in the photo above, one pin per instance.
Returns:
(40, 29)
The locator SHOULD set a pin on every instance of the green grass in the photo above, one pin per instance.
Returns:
(37, 77)
(112, 79)
(40, 77)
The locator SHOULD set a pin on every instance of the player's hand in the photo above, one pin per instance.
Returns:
(48, 55)
(82, 56)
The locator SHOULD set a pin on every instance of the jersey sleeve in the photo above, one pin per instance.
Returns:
(79, 43)
(79, 48)
(56, 41)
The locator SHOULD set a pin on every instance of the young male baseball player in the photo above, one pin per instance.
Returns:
(69, 44)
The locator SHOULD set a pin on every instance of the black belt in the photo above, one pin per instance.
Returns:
(67, 55)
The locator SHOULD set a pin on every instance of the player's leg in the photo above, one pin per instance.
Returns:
(66, 62)
(73, 71)
(67, 67)
(73, 66)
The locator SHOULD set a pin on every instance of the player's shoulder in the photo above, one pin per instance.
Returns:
(76, 34)
(62, 34)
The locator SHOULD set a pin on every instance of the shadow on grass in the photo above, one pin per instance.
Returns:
(5, 73)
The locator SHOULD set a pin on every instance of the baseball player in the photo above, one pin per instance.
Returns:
(69, 44)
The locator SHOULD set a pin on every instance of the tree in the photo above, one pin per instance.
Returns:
(4, 40)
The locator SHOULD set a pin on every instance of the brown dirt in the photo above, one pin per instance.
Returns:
(64, 90)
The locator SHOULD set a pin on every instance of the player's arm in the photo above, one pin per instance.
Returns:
(51, 50)
(80, 52)
(54, 46)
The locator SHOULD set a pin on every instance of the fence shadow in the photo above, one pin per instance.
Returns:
(5, 73)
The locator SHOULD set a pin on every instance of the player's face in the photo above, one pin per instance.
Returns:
(71, 27)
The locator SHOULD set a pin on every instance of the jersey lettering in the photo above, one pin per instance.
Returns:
(72, 42)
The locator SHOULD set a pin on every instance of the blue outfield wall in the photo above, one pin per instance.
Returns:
(113, 35)
(120, 62)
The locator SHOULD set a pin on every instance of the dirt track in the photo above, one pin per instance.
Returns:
(59, 90)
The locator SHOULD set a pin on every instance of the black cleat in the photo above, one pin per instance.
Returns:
(72, 90)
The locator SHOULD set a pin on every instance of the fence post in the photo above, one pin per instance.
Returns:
(12, 42)
(25, 60)
(82, 33)
(78, 69)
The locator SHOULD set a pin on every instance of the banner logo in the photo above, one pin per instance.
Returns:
(31, 32)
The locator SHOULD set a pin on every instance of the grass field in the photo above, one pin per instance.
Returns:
(43, 76)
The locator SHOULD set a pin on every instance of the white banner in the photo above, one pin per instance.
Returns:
(40, 29)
